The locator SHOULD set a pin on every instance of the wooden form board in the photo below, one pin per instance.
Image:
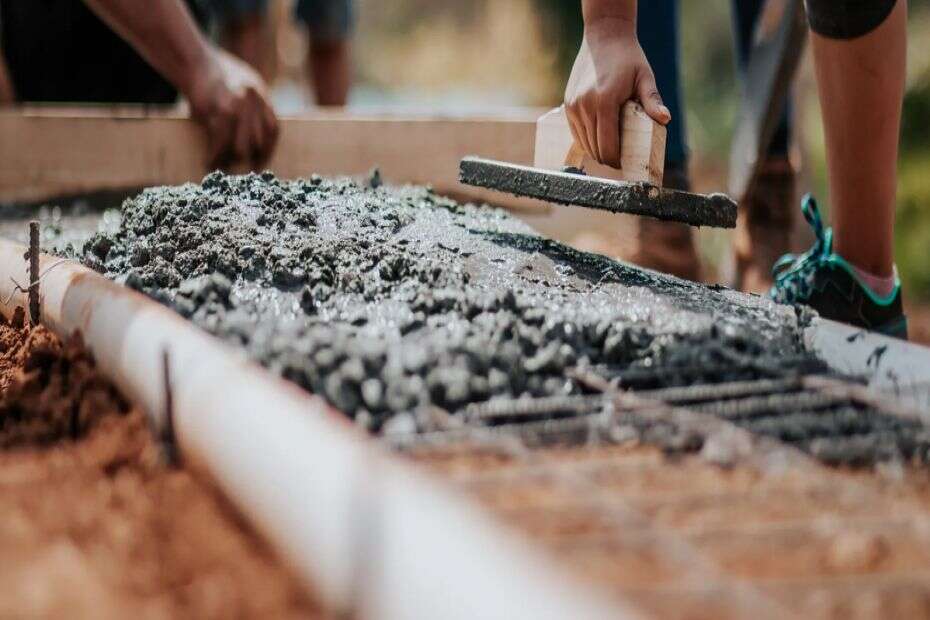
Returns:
(49, 152)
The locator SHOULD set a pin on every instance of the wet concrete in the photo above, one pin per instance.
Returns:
(389, 299)
(572, 188)
(400, 306)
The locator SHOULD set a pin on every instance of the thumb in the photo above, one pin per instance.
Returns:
(649, 97)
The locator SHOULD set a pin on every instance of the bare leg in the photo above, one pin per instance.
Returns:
(245, 37)
(861, 86)
(329, 69)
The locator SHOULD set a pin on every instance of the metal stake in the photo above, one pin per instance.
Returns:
(167, 439)
(33, 256)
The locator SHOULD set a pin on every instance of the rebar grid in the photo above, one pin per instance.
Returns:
(836, 421)
(626, 516)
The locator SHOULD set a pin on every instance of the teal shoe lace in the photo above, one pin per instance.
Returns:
(794, 274)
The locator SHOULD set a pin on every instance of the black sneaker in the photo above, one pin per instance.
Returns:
(826, 282)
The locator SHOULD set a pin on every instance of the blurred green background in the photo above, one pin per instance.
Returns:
(485, 54)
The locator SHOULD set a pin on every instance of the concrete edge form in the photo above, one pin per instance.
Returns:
(128, 147)
(892, 367)
(373, 536)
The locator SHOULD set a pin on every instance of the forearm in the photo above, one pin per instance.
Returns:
(619, 15)
(162, 31)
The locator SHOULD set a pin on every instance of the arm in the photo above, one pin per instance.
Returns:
(610, 70)
(225, 95)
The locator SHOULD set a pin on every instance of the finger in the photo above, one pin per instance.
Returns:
(213, 145)
(260, 137)
(608, 135)
(220, 130)
(590, 128)
(578, 122)
(260, 140)
(242, 140)
(266, 125)
(574, 123)
(650, 99)
(271, 125)
(577, 132)
(248, 133)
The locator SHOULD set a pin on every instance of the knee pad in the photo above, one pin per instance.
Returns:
(847, 19)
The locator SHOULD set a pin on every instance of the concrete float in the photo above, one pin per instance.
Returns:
(374, 537)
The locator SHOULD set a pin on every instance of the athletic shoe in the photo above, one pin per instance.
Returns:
(826, 282)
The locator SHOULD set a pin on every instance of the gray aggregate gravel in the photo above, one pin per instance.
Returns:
(389, 299)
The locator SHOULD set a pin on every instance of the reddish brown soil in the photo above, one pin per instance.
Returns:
(918, 321)
(684, 538)
(49, 392)
(95, 525)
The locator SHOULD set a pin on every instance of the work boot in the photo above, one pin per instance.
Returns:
(825, 281)
(666, 246)
(764, 226)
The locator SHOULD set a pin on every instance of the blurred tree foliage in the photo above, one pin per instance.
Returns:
(563, 29)
(912, 231)
(915, 121)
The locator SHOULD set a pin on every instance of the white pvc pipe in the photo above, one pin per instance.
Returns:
(893, 367)
(359, 525)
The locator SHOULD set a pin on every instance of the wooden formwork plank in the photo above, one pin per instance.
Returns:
(48, 152)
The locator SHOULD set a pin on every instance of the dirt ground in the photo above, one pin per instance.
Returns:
(95, 524)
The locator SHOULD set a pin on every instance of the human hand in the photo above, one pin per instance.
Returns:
(610, 69)
(231, 101)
